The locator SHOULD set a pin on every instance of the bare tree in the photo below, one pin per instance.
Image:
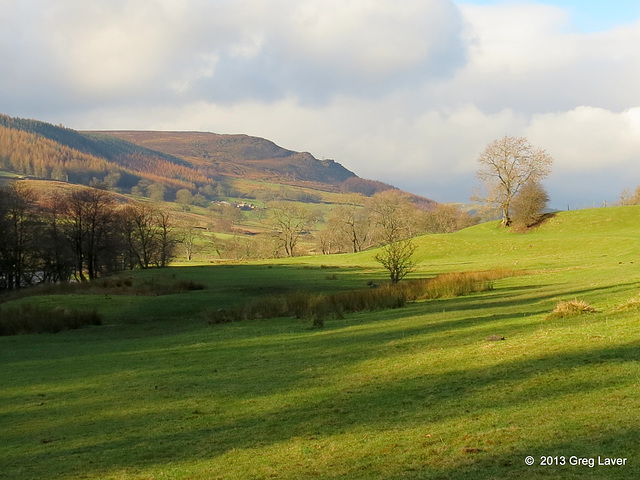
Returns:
(397, 258)
(142, 233)
(394, 217)
(89, 221)
(188, 240)
(290, 220)
(149, 235)
(168, 239)
(506, 165)
(353, 222)
(58, 260)
(630, 198)
(446, 218)
(19, 226)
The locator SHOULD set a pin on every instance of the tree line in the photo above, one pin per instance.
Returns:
(384, 218)
(79, 235)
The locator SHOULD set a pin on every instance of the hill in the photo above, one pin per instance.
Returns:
(238, 155)
(175, 159)
(193, 160)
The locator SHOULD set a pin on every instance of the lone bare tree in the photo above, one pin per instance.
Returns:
(397, 258)
(506, 165)
(393, 217)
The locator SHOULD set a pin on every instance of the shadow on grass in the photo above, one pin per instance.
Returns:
(164, 426)
(255, 389)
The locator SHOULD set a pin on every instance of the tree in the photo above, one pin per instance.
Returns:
(332, 239)
(148, 233)
(397, 258)
(527, 206)
(89, 227)
(629, 198)
(19, 226)
(57, 254)
(290, 220)
(156, 192)
(354, 224)
(141, 234)
(188, 240)
(184, 197)
(506, 165)
(445, 218)
(394, 216)
(168, 239)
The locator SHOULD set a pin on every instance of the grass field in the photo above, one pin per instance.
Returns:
(411, 393)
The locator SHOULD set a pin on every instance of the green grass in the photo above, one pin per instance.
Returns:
(411, 393)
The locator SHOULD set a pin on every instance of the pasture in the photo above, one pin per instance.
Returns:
(155, 392)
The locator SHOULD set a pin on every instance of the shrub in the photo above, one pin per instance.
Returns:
(263, 307)
(221, 315)
(384, 297)
(571, 308)
(28, 319)
(189, 285)
(111, 283)
(449, 285)
(527, 206)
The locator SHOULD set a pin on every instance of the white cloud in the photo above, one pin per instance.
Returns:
(408, 93)
(589, 138)
(226, 51)
(524, 57)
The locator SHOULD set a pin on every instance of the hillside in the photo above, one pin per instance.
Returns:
(177, 160)
(238, 155)
(584, 239)
(123, 160)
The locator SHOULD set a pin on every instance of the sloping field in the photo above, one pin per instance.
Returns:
(411, 393)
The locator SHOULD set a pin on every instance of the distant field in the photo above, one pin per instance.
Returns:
(412, 393)
(7, 176)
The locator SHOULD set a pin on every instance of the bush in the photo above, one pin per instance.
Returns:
(527, 206)
(28, 319)
(189, 285)
(111, 283)
(449, 285)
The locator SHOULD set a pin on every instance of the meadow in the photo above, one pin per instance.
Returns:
(419, 392)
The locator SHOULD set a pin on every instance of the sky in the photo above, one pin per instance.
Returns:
(409, 93)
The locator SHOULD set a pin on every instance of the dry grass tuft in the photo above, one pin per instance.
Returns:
(631, 304)
(571, 308)
(27, 319)
(317, 307)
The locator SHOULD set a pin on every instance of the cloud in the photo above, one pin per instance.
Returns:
(589, 138)
(226, 51)
(525, 57)
(407, 93)
(316, 50)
